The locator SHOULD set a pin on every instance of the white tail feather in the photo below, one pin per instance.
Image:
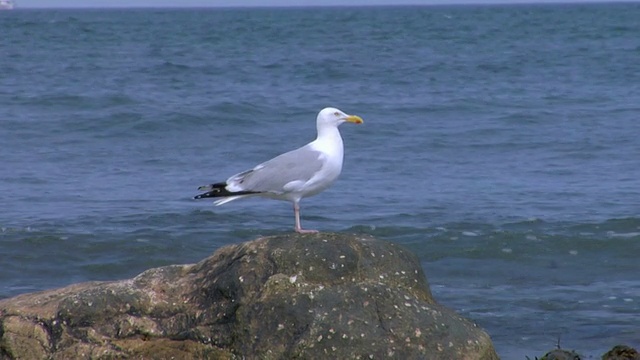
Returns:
(230, 198)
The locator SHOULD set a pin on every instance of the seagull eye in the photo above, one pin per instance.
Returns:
(336, 113)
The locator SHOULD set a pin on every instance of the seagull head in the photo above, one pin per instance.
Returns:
(334, 117)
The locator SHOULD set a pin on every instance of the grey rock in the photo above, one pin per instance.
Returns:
(281, 297)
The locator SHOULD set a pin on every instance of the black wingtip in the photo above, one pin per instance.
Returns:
(213, 193)
(220, 190)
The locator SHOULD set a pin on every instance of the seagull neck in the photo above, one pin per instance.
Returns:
(328, 132)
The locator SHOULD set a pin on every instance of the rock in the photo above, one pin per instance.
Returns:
(560, 354)
(621, 352)
(280, 297)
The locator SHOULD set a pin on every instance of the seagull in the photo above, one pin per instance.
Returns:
(293, 175)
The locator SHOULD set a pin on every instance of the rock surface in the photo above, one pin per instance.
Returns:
(560, 354)
(621, 352)
(618, 352)
(281, 297)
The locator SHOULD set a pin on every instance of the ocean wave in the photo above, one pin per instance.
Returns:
(517, 240)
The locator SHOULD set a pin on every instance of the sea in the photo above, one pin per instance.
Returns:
(500, 144)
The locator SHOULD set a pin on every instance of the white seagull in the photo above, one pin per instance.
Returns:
(294, 175)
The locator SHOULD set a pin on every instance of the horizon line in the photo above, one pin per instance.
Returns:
(451, 3)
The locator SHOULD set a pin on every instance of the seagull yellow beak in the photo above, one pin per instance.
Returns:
(354, 119)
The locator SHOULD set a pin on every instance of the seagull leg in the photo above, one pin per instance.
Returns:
(298, 228)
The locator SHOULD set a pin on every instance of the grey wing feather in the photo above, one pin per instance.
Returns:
(271, 176)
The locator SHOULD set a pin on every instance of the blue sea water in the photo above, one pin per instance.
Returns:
(500, 144)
